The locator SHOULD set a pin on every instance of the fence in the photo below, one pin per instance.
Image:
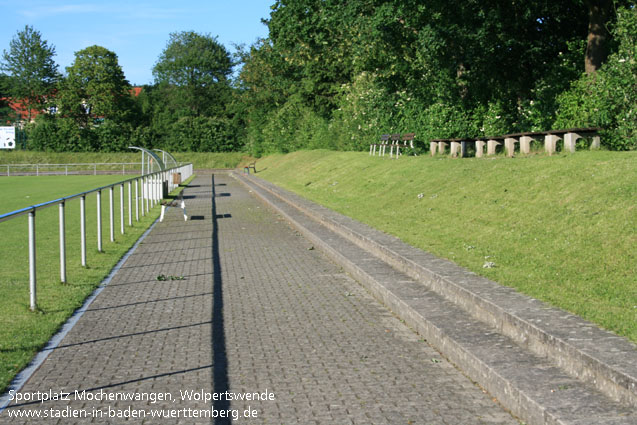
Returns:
(151, 186)
(70, 169)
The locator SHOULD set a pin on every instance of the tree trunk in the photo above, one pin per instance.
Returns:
(599, 13)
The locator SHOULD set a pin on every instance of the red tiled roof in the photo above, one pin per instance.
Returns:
(21, 109)
(23, 113)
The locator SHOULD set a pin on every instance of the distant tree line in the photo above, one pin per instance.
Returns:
(335, 74)
(92, 107)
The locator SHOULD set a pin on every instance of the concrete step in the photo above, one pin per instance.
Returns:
(509, 350)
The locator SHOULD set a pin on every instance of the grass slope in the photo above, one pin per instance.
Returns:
(562, 229)
(22, 332)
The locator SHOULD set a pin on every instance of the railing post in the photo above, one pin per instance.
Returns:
(62, 244)
(111, 213)
(146, 194)
(83, 228)
(121, 208)
(130, 205)
(94, 169)
(151, 186)
(99, 221)
(154, 190)
(32, 268)
(143, 192)
(136, 199)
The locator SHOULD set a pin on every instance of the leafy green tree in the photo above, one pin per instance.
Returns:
(95, 88)
(7, 116)
(608, 97)
(193, 72)
(317, 42)
(34, 73)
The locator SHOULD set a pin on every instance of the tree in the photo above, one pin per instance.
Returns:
(33, 71)
(94, 88)
(193, 71)
(607, 98)
(6, 113)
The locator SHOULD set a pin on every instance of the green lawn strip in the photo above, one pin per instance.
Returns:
(200, 160)
(22, 332)
(562, 229)
(23, 191)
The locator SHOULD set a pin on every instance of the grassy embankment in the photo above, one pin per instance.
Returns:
(562, 229)
(22, 332)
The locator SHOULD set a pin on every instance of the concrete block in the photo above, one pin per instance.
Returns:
(442, 147)
(491, 145)
(455, 149)
(570, 139)
(479, 148)
(550, 143)
(525, 144)
(433, 146)
(509, 144)
(596, 144)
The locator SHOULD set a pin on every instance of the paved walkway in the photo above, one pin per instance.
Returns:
(260, 314)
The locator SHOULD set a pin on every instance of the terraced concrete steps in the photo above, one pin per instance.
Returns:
(545, 365)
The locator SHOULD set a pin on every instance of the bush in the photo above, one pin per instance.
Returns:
(291, 127)
(608, 98)
(59, 135)
(112, 137)
(440, 121)
(364, 112)
(200, 134)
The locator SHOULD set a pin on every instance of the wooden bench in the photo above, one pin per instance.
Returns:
(392, 141)
(252, 165)
(407, 137)
(384, 139)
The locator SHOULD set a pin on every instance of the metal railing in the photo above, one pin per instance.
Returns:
(70, 169)
(150, 185)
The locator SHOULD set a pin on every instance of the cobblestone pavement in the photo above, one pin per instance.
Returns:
(261, 316)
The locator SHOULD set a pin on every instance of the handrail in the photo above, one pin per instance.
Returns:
(151, 192)
(37, 168)
(9, 215)
(73, 163)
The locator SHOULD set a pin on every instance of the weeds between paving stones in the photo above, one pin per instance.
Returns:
(163, 277)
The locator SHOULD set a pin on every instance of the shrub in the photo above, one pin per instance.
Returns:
(200, 134)
(364, 112)
(608, 98)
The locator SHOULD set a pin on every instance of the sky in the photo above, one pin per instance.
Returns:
(137, 31)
